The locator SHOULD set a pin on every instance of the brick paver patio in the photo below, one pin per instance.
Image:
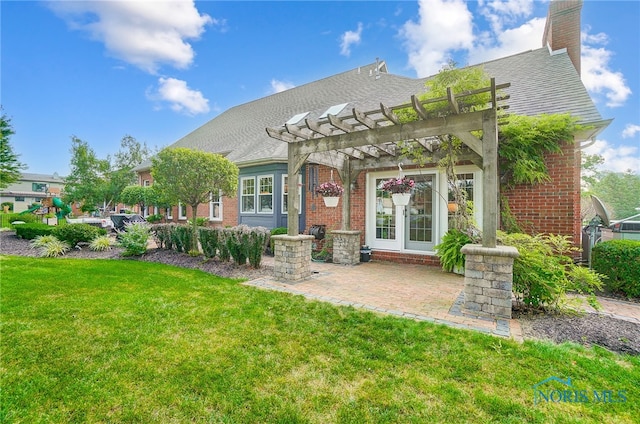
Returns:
(412, 291)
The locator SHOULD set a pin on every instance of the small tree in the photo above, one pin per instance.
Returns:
(189, 176)
(139, 195)
(10, 166)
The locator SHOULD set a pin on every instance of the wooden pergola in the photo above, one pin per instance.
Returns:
(373, 139)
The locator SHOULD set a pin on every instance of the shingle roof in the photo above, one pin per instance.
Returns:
(541, 82)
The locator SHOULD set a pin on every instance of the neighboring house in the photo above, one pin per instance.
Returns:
(543, 81)
(30, 189)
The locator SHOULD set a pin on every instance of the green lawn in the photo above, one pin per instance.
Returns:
(127, 341)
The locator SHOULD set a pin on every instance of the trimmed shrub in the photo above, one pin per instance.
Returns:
(619, 262)
(209, 241)
(78, 233)
(182, 238)
(134, 239)
(163, 235)
(244, 242)
(32, 230)
(152, 219)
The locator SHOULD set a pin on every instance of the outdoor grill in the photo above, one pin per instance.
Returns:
(601, 228)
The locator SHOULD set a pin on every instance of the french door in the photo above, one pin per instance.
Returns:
(410, 227)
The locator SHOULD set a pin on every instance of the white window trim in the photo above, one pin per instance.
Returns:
(170, 212)
(259, 194)
(180, 215)
(242, 195)
(212, 204)
(284, 210)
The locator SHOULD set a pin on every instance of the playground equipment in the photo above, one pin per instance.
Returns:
(63, 210)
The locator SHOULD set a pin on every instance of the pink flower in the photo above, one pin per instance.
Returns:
(398, 185)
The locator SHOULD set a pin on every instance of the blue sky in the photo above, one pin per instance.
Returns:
(101, 70)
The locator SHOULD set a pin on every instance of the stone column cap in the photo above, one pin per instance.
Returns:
(346, 232)
(478, 249)
(299, 237)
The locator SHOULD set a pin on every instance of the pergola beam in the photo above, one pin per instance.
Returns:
(412, 130)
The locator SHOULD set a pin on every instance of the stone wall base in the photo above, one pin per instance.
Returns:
(292, 256)
(488, 280)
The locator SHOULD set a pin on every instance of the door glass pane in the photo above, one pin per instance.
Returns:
(420, 210)
(385, 214)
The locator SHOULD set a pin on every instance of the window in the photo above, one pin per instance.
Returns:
(285, 193)
(19, 199)
(170, 213)
(248, 195)
(39, 187)
(215, 206)
(146, 183)
(182, 211)
(265, 196)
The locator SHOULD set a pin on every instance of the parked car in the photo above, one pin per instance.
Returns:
(120, 220)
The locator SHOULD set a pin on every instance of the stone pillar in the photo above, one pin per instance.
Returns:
(346, 247)
(488, 280)
(292, 257)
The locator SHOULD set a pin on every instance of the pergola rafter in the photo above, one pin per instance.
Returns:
(365, 140)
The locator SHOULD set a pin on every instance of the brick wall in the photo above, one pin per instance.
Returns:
(229, 207)
(552, 207)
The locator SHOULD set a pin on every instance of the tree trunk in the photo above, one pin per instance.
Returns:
(194, 209)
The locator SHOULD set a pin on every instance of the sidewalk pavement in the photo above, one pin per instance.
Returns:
(412, 291)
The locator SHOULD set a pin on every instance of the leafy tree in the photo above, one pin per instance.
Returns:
(87, 180)
(590, 173)
(120, 175)
(99, 182)
(141, 196)
(10, 166)
(620, 191)
(189, 176)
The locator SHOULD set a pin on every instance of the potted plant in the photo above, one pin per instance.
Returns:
(330, 192)
(400, 189)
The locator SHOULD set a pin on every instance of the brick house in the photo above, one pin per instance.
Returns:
(544, 80)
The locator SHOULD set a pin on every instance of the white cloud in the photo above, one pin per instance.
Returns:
(443, 26)
(180, 97)
(278, 86)
(527, 36)
(145, 34)
(630, 130)
(616, 158)
(350, 38)
(505, 12)
(597, 76)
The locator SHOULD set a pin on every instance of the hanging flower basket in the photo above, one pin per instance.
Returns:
(331, 201)
(401, 199)
(400, 189)
(330, 192)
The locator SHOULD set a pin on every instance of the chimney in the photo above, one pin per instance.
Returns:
(562, 30)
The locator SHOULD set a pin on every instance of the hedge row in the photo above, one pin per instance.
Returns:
(240, 243)
(10, 218)
(71, 233)
(619, 262)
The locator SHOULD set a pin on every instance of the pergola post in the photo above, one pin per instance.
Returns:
(345, 176)
(489, 178)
